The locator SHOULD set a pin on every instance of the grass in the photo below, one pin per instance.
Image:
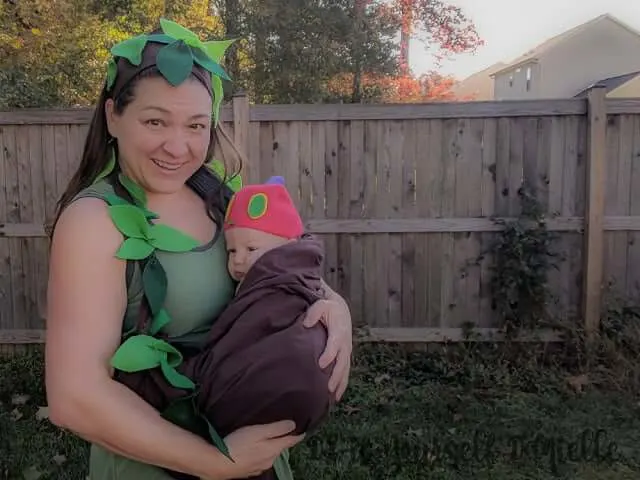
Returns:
(465, 413)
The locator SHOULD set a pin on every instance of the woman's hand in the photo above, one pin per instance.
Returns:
(254, 449)
(334, 314)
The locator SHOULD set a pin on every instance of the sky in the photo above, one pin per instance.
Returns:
(511, 27)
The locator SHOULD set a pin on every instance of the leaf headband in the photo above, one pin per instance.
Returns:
(177, 53)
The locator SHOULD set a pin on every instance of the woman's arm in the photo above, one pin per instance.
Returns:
(86, 302)
(335, 315)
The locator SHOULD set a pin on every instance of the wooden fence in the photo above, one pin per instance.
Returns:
(401, 194)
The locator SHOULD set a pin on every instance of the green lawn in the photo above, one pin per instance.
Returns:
(407, 415)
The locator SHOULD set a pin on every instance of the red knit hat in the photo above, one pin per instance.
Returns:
(267, 207)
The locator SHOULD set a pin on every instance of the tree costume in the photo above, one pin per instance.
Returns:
(260, 363)
(153, 341)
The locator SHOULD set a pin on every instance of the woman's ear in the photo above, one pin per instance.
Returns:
(110, 117)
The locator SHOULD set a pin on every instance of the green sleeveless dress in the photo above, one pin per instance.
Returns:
(199, 287)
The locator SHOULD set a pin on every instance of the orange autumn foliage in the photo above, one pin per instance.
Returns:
(429, 87)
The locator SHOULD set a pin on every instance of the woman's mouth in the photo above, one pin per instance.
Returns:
(172, 167)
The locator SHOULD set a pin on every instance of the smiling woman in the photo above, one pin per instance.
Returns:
(137, 255)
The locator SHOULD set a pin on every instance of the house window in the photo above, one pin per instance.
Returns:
(528, 78)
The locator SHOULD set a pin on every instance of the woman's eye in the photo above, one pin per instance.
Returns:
(154, 122)
(198, 126)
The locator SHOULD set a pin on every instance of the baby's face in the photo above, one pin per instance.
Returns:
(245, 246)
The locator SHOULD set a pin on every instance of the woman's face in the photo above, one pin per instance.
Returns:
(163, 134)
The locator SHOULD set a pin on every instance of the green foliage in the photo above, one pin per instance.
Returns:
(523, 256)
(56, 53)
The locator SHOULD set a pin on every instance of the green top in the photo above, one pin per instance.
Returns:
(198, 288)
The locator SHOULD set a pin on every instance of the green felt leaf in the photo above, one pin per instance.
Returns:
(154, 282)
(159, 321)
(235, 183)
(111, 164)
(134, 249)
(217, 167)
(182, 412)
(175, 62)
(257, 205)
(112, 71)
(179, 32)
(164, 237)
(135, 190)
(113, 199)
(217, 48)
(201, 57)
(217, 440)
(141, 352)
(131, 49)
(130, 220)
(174, 377)
(218, 94)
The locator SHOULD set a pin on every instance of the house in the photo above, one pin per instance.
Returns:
(478, 86)
(603, 50)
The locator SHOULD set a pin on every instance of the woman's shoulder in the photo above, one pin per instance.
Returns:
(85, 224)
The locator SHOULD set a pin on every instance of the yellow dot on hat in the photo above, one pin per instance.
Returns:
(257, 206)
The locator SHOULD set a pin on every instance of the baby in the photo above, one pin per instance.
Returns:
(260, 363)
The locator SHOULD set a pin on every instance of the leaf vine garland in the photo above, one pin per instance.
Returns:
(142, 238)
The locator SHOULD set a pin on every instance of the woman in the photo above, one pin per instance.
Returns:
(153, 127)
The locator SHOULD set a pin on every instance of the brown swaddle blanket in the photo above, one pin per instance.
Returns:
(260, 363)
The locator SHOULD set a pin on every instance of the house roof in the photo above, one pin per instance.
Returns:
(533, 54)
(479, 83)
(610, 83)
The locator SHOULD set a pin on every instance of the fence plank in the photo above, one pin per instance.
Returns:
(594, 209)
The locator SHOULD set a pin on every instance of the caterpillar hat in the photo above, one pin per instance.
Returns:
(267, 207)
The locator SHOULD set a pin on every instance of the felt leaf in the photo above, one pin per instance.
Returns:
(113, 199)
(218, 94)
(217, 48)
(137, 353)
(164, 237)
(179, 32)
(136, 192)
(214, 67)
(143, 352)
(217, 440)
(111, 163)
(257, 205)
(112, 71)
(217, 167)
(235, 183)
(159, 321)
(134, 249)
(182, 412)
(130, 220)
(174, 377)
(131, 49)
(175, 62)
(154, 282)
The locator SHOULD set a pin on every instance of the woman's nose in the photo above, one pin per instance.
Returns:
(176, 145)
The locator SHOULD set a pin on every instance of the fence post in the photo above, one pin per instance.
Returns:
(240, 104)
(594, 209)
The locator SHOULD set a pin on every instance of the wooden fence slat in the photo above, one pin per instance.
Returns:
(594, 210)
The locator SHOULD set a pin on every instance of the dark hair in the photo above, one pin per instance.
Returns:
(95, 155)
